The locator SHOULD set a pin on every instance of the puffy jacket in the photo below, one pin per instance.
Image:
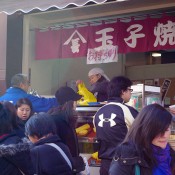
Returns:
(126, 158)
(12, 157)
(112, 122)
(40, 104)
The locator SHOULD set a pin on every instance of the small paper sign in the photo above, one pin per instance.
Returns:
(102, 55)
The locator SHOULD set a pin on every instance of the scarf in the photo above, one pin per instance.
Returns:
(163, 159)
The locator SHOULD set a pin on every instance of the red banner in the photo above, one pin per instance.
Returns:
(161, 33)
(74, 42)
(133, 36)
(103, 35)
(136, 36)
(47, 44)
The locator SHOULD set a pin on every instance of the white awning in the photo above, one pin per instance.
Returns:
(11, 6)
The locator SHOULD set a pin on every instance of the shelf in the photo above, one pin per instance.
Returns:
(139, 88)
(87, 144)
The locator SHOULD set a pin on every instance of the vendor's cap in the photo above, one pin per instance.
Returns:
(65, 94)
(96, 71)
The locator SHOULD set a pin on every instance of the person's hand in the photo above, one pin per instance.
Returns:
(79, 82)
(172, 110)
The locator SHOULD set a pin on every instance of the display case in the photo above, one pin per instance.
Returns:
(143, 95)
(88, 143)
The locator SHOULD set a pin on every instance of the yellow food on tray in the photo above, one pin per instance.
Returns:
(83, 127)
(83, 132)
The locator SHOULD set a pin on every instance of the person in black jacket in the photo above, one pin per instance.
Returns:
(146, 145)
(98, 83)
(113, 120)
(64, 117)
(12, 163)
(46, 159)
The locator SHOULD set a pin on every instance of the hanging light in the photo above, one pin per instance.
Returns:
(156, 54)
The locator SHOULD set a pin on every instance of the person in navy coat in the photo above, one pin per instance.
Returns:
(47, 160)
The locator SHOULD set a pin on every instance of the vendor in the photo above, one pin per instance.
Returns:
(99, 82)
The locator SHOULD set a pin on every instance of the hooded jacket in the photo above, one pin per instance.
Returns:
(40, 104)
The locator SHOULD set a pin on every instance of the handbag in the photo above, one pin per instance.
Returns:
(137, 169)
(78, 164)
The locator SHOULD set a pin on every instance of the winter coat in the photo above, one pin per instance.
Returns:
(126, 158)
(48, 160)
(99, 89)
(40, 104)
(111, 126)
(66, 133)
(13, 158)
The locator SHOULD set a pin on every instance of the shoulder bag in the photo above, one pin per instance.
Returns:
(137, 169)
(61, 152)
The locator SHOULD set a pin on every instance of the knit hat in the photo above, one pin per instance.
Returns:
(96, 71)
(65, 94)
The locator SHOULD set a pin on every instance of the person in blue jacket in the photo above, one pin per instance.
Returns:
(19, 88)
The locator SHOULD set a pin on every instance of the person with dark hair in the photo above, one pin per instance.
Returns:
(113, 120)
(146, 145)
(24, 111)
(46, 158)
(64, 117)
(12, 110)
(19, 88)
(14, 160)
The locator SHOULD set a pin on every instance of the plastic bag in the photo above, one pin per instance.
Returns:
(87, 95)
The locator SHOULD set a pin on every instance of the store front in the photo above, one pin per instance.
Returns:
(46, 75)
(57, 72)
(60, 71)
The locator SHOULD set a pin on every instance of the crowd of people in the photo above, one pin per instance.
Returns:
(37, 134)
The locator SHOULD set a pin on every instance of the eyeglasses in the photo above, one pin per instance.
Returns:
(129, 89)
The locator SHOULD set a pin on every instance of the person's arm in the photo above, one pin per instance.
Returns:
(100, 87)
(42, 104)
(172, 110)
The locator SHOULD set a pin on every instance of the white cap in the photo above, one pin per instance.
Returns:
(96, 71)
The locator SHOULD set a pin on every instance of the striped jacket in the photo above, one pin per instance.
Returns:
(112, 122)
